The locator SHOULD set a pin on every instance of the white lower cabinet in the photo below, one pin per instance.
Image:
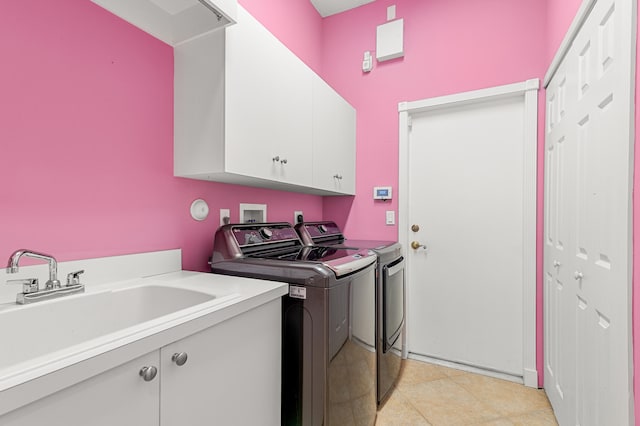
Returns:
(116, 397)
(232, 373)
(231, 377)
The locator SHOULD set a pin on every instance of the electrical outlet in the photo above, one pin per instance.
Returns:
(297, 217)
(225, 216)
(367, 62)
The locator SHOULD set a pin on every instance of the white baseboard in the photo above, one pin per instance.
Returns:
(469, 368)
(531, 378)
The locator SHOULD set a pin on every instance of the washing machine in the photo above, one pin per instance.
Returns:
(390, 296)
(328, 320)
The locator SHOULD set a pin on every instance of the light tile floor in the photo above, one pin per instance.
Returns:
(428, 394)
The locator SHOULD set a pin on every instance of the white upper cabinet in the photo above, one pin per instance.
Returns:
(174, 21)
(248, 111)
(267, 106)
(334, 135)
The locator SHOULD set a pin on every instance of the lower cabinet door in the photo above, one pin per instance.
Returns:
(119, 396)
(228, 374)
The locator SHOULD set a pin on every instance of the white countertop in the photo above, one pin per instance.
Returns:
(35, 378)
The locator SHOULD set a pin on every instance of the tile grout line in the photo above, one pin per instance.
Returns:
(413, 407)
(494, 412)
(497, 416)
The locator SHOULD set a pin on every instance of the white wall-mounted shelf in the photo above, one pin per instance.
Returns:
(174, 21)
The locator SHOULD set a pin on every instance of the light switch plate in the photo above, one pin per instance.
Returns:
(391, 217)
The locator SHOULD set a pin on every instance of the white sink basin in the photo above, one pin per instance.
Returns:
(43, 328)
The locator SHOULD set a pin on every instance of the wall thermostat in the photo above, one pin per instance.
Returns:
(382, 193)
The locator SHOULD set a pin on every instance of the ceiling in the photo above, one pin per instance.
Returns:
(331, 7)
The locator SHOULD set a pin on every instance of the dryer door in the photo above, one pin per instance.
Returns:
(392, 302)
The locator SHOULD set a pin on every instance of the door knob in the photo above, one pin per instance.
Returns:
(179, 358)
(416, 245)
(415, 228)
(148, 373)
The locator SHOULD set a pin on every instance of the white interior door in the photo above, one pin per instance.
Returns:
(587, 270)
(469, 177)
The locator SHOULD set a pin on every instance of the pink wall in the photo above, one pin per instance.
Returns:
(560, 14)
(87, 141)
(296, 24)
(450, 46)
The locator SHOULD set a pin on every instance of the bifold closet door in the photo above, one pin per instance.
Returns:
(587, 269)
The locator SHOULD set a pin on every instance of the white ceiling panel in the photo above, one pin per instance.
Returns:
(331, 7)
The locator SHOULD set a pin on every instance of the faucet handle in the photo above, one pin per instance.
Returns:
(73, 278)
(29, 285)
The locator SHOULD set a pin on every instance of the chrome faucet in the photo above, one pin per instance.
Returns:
(12, 265)
(31, 292)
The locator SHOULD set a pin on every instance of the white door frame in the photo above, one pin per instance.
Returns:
(529, 90)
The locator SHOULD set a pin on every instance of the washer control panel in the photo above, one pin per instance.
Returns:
(263, 233)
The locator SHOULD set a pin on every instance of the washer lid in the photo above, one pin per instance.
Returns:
(341, 261)
(355, 262)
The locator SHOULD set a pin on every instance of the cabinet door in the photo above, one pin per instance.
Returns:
(116, 397)
(231, 375)
(267, 106)
(334, 140)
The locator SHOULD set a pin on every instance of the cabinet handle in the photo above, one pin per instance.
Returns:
(556, 264)
(148, 373)
(283, 161)
(578, 275)
(179, 358)
(337, 176)
(276, 158)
